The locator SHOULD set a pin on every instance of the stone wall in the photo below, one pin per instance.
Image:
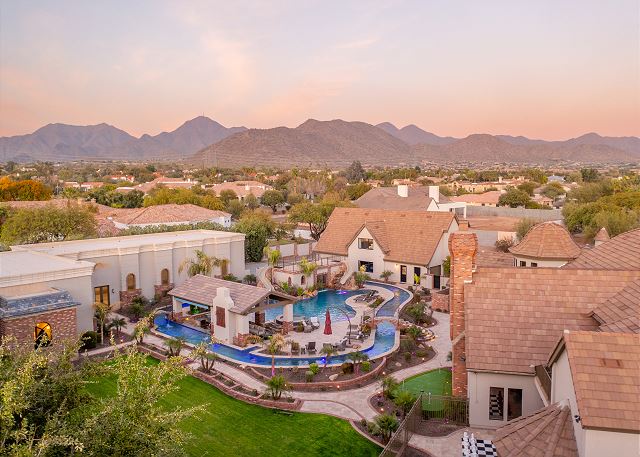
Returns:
(63, 325)
(127, 296)
(160, 294)
(440, 301)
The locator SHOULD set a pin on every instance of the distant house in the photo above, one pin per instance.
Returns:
(169, 183)
(241, 188)
(170, 214)
(546, 245)
(556, 178)
(412, 245)
(490, 198)
(413, 198)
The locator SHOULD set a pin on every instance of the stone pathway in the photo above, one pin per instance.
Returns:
(450, 445)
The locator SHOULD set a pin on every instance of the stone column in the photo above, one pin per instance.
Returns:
(463, 246)
(287, 318)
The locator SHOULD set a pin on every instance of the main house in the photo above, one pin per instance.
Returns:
(411, 245)
(58, 283)
(543, 349)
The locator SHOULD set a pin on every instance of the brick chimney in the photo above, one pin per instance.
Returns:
(463, 246)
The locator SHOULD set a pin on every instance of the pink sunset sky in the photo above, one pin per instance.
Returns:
(543, 69)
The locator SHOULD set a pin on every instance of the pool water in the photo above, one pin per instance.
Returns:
(384, 341)
(317, 306)
(389, 308)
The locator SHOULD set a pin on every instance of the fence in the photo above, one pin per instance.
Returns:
(426, 407)
(503, 211)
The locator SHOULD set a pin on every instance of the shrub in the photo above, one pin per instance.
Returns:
(347, 368)
(89, 340)
(314, 368)
(230, 277)
(504, 244)
(308, 375)
(366, 366)
(137, 308)
(407, 356)
(422, 352)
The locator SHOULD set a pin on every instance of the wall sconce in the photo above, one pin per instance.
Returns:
(577, 418)
(463, 358)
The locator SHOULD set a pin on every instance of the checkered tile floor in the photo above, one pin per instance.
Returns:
(485, 448)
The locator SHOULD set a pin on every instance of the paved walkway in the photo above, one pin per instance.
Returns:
(450, 445)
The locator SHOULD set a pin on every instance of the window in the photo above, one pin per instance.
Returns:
(366, 266)
(534, 264)
(514, 406)
(523, 263)
(496, 403)
(302, 280)
(101, 295)
(220, 313)
(164, 277)
(42, 335)
(131, 281)
(365, 243)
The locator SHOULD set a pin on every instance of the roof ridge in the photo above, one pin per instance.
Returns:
(557, 430)
(535, 432)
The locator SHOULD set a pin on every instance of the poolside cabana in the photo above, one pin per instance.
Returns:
(232, 308)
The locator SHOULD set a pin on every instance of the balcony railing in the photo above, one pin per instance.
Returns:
(545, 379)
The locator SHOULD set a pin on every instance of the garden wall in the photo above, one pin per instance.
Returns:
(440, 301)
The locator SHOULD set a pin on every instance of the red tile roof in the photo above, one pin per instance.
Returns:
(547, 240)
(621, 252)
(602, 235)
(621, 313)
(165, 214)
(407, 236)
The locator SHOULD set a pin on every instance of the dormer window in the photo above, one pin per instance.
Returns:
(365, 243)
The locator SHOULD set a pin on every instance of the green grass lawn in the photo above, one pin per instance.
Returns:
(437, 381)
(229, 427)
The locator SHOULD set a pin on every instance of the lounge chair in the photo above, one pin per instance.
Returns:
(315, 323)
(365, 296)
(311, 347)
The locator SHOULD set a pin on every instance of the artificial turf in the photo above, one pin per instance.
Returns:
(229, 427)
(437, 381)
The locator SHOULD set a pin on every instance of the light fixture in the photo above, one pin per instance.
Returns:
(577, 418)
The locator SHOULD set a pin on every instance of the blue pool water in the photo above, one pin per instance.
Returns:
(384, 340)
(317, 306)
(390, 307)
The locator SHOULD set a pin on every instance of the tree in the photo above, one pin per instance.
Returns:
(307, 268)
(615, 220)
(102, 311)
(258, 227)
(143, 326)
(387, 424)
(38, 225)
(356, 191)
(589, 174)
(117, 324)
(357, 357)
(207, 358)
(273, 345)
(446, 266)
(293, 198)
(235, 208)
(251, 202)
(273, 256)
(528, 187)
(203, 264)
(404, 400)
(316, 215)
(277, 385)
(272, 198)
(328, 351)
(514, 198)
(25, 189)
(389, 385)
(174, 346)
(503, 244)
(386, 274)
(553, 190)
(523, 226)
(227, 195)
(355, 173)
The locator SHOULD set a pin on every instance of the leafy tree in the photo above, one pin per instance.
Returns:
(235, 208)
(251, 202)
(357, 357)
(207, 358)
(307, 268)
(293, 198)
(528, 187)
(356, 191)
(227, 195)
(523, 226)
(616, 221)
(503, 244)
(590, 192)
(553, 190)
(38, 225)
(328, 351)
(514, 198)
(272, 198)
(355, 173)
(25, 189)
(404, 400)
(117, 324)
(387, 424)
(273, 256)
(143, 326)
(174, 346)
(446, 266)
(102, 311)
(257, 227)
(273, 345)
(316, 215)
(277, 385)
(589, 174)
(389, 385)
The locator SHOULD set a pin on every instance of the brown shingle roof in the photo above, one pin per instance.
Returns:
(621, 252)
(491, 257)
(514, 316)
(388, 198)
(203, 289)
(605, 368)
(621, 313)
(164, 214)
(411, 236)
(547, 240)
(547, 432)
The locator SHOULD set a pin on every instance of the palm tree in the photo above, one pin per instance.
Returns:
(207, 358)
(389, 384)
(273, 256)
(118, 323)
(307, 268)
(273, 345)
(386, 274)
(357, 357)
(175, 346)
(414, 333)
(404, 400)
(387, 424)
(203, 264)
(102, 311)
(328, 351)
(142, 328)
(277, 385)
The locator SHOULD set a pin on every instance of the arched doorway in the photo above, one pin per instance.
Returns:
(42, 335)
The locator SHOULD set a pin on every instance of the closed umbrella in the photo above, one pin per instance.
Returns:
(327, 324)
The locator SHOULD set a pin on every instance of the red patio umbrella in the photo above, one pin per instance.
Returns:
(327, 324)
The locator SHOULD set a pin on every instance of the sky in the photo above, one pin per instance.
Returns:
(544, 69)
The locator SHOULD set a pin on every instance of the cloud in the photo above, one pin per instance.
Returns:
(358, 44)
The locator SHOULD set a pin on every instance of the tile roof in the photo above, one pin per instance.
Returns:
(621, 252)
(490, 198)
(547, 432)
(164, 214)
(488, 256)
(388, 198)
(497, 223)
(514, 316)
(621, 313)
(411, 236)
(605, 368)
(203, 289)
(547, 240)
(243, 188)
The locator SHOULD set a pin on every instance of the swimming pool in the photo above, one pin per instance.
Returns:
(399, 297)
(384, 341)
(317, 306)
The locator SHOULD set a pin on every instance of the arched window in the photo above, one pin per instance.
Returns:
(302, 280)
(42, 334)
(131, 281)
(164, 277)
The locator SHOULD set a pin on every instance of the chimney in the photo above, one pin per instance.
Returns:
(463, 247)
(403, 190)
(223, 298)
(500, 179)
(434, 193)
(463, 225)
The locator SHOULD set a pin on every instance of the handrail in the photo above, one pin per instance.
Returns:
(545, 379)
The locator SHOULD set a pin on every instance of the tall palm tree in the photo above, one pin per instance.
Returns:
(387, 424)
(102, 311)
(328, 351)
(118, 323)
(307, 268)
(273, 345)
(358, 357)
(273, 256)
(203, 264)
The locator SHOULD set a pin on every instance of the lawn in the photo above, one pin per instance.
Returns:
(229, 427)
(437, 381)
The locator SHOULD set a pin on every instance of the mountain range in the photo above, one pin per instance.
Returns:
(314, 143)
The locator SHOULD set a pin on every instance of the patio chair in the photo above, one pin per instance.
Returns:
(311, 347)
(315, 323)
(307, 327)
